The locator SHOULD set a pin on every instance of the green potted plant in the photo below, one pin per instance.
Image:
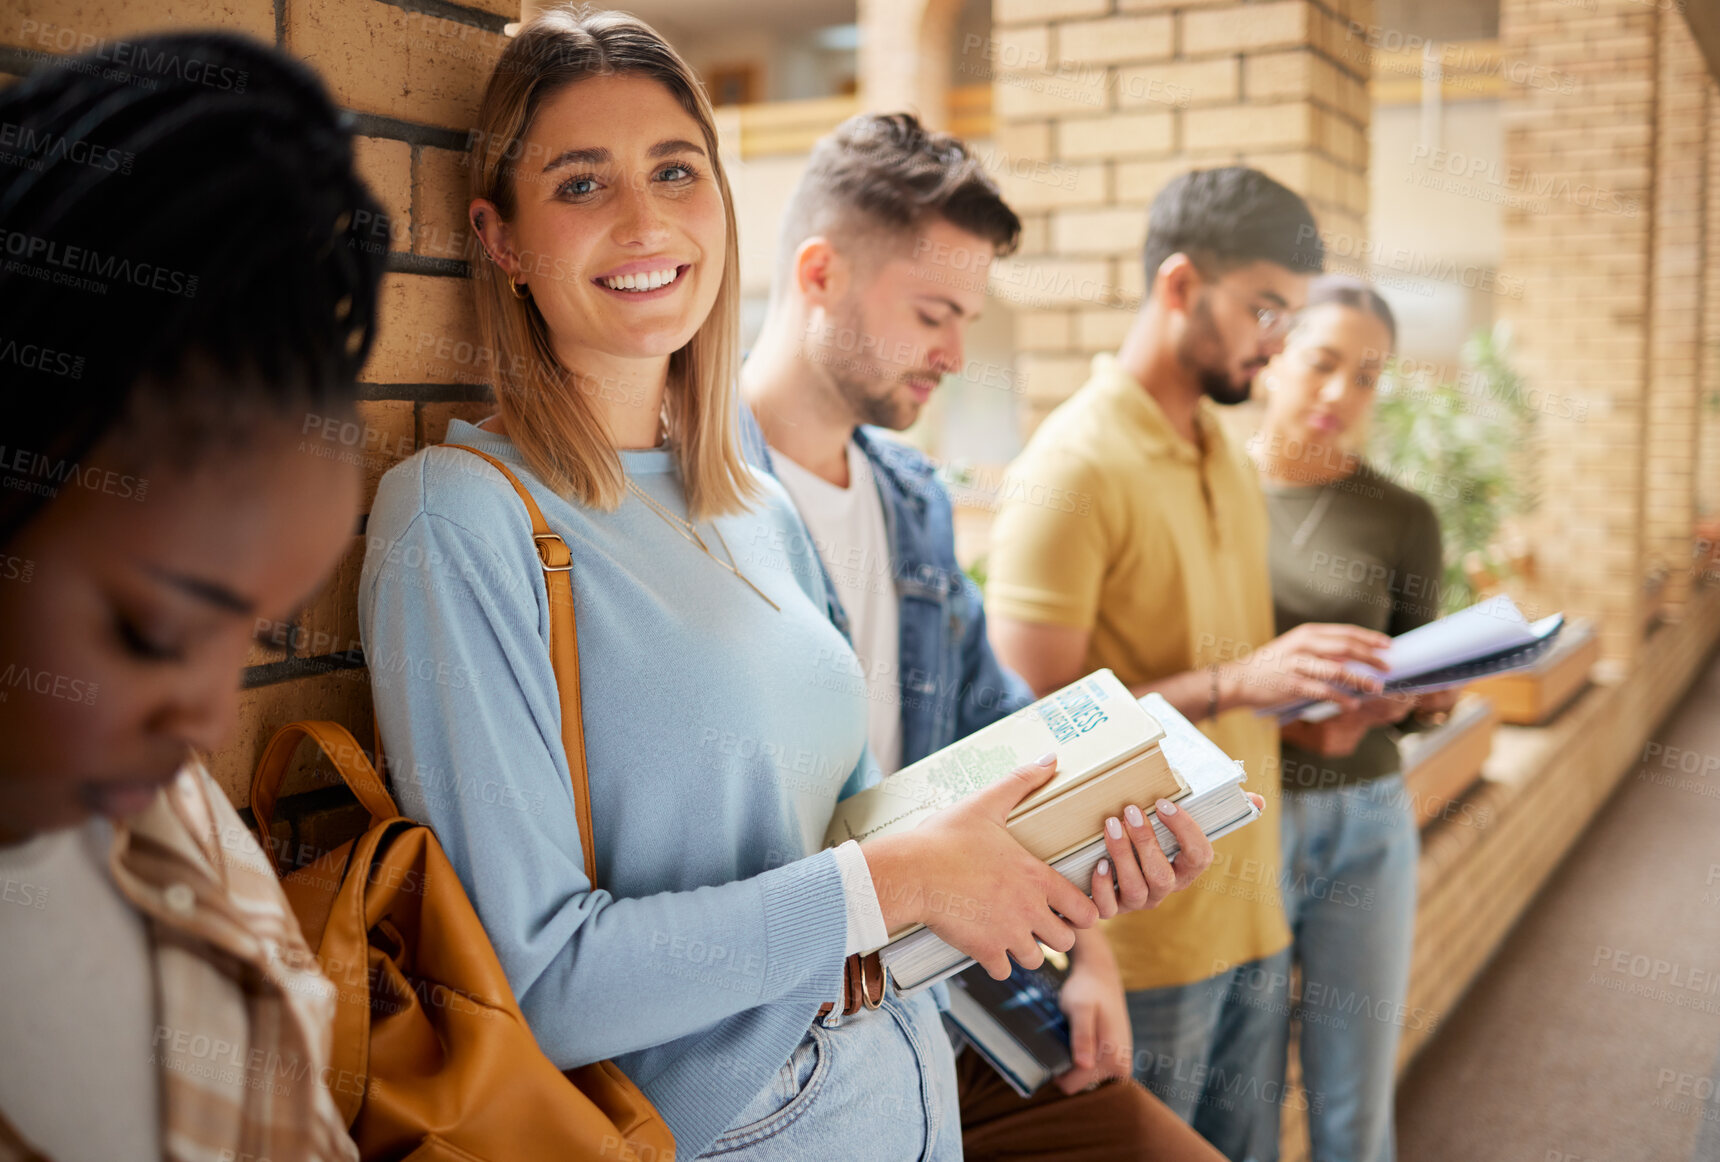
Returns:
(1459, 441)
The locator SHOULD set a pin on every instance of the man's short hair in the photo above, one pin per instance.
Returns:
(885, 174)
(1230, 217)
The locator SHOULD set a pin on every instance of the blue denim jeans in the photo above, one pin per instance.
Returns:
(881, 1086)
(1214, 1052)
(1350, 859)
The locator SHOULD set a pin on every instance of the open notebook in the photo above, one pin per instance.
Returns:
(1490, 637)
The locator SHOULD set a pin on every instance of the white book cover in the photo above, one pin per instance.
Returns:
(1092, 725)
(1485, 628)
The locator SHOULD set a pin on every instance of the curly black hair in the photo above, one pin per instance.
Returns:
(185, 251)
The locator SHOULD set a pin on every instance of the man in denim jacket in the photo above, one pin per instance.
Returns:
(950, 682)
(885, 252)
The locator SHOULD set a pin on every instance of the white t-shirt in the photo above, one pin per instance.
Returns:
(77, 1078)
(848, 527)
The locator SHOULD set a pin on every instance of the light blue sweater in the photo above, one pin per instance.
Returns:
(719, 733)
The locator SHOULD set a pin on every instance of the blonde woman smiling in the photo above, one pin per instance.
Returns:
(724, 715)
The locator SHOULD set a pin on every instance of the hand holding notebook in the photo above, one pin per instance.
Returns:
(1490, 637)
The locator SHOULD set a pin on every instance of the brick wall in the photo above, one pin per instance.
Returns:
(1586, 279)
(1680, 147)
(904, 57)
(1612, 310)
(1708, 445)
(413, 73)
(1097, 103)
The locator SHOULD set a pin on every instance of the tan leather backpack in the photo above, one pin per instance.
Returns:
(432, 1058)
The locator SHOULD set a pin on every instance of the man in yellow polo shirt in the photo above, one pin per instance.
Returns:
(1153, 563)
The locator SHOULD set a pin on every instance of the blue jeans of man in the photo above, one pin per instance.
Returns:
(1349, 880)
(1214, 1052)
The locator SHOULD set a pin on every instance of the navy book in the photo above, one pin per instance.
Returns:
(1015, 1024)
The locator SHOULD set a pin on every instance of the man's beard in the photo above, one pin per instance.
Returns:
(1214, 379)
(869, 388)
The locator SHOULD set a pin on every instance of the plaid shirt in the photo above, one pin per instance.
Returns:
(243, 1013)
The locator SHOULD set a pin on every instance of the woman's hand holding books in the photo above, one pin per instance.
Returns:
(962, 875)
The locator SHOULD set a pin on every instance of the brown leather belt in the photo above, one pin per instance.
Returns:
(863, 983)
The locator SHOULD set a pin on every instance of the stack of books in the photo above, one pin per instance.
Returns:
(1112, 751)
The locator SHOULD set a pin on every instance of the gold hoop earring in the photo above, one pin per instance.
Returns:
(515, 287)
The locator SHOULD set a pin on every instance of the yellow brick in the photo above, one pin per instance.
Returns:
(1013, 140)
(1355, 196)
(1119, 135)
(1035, 233)
(1102, 330)
(1027, 11)
(1338, 137)
(1022, 96)
(329, 625)
(1138, 182)
(1163, 5)
(1287, 126)
(1178, 83)
(386, 167)
(1132, 281)
(1041, 330)
(1038, 283)
(434, 418)
(342, 696)
(1028, 47)
(1278, 74)
(389, 435)
(1042, 187)
(78, 26)
(1097, 231)
(1119, 38)
(1051, 378)
(508, 8)
(381, 59)
(1352, 95)
(1294, 169)
(440, 196)
(427, 332)
(1246, 28)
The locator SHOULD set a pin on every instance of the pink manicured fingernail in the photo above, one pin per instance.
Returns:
(1165, 807)
(1133, 814)
(1113, 828)
(1104, 868)
(1045, 759)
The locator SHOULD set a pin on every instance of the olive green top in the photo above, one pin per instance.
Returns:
(1362, 551)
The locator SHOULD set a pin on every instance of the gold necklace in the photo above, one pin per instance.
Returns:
(691, 536)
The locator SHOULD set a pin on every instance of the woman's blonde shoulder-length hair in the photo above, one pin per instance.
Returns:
(553, 423)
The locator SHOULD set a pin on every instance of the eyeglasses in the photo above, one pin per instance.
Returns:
(1272, 321)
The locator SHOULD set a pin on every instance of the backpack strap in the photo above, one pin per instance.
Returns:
(349, 761)
(557, 561)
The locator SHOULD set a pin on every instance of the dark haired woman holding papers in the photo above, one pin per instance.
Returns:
(1346, 545)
